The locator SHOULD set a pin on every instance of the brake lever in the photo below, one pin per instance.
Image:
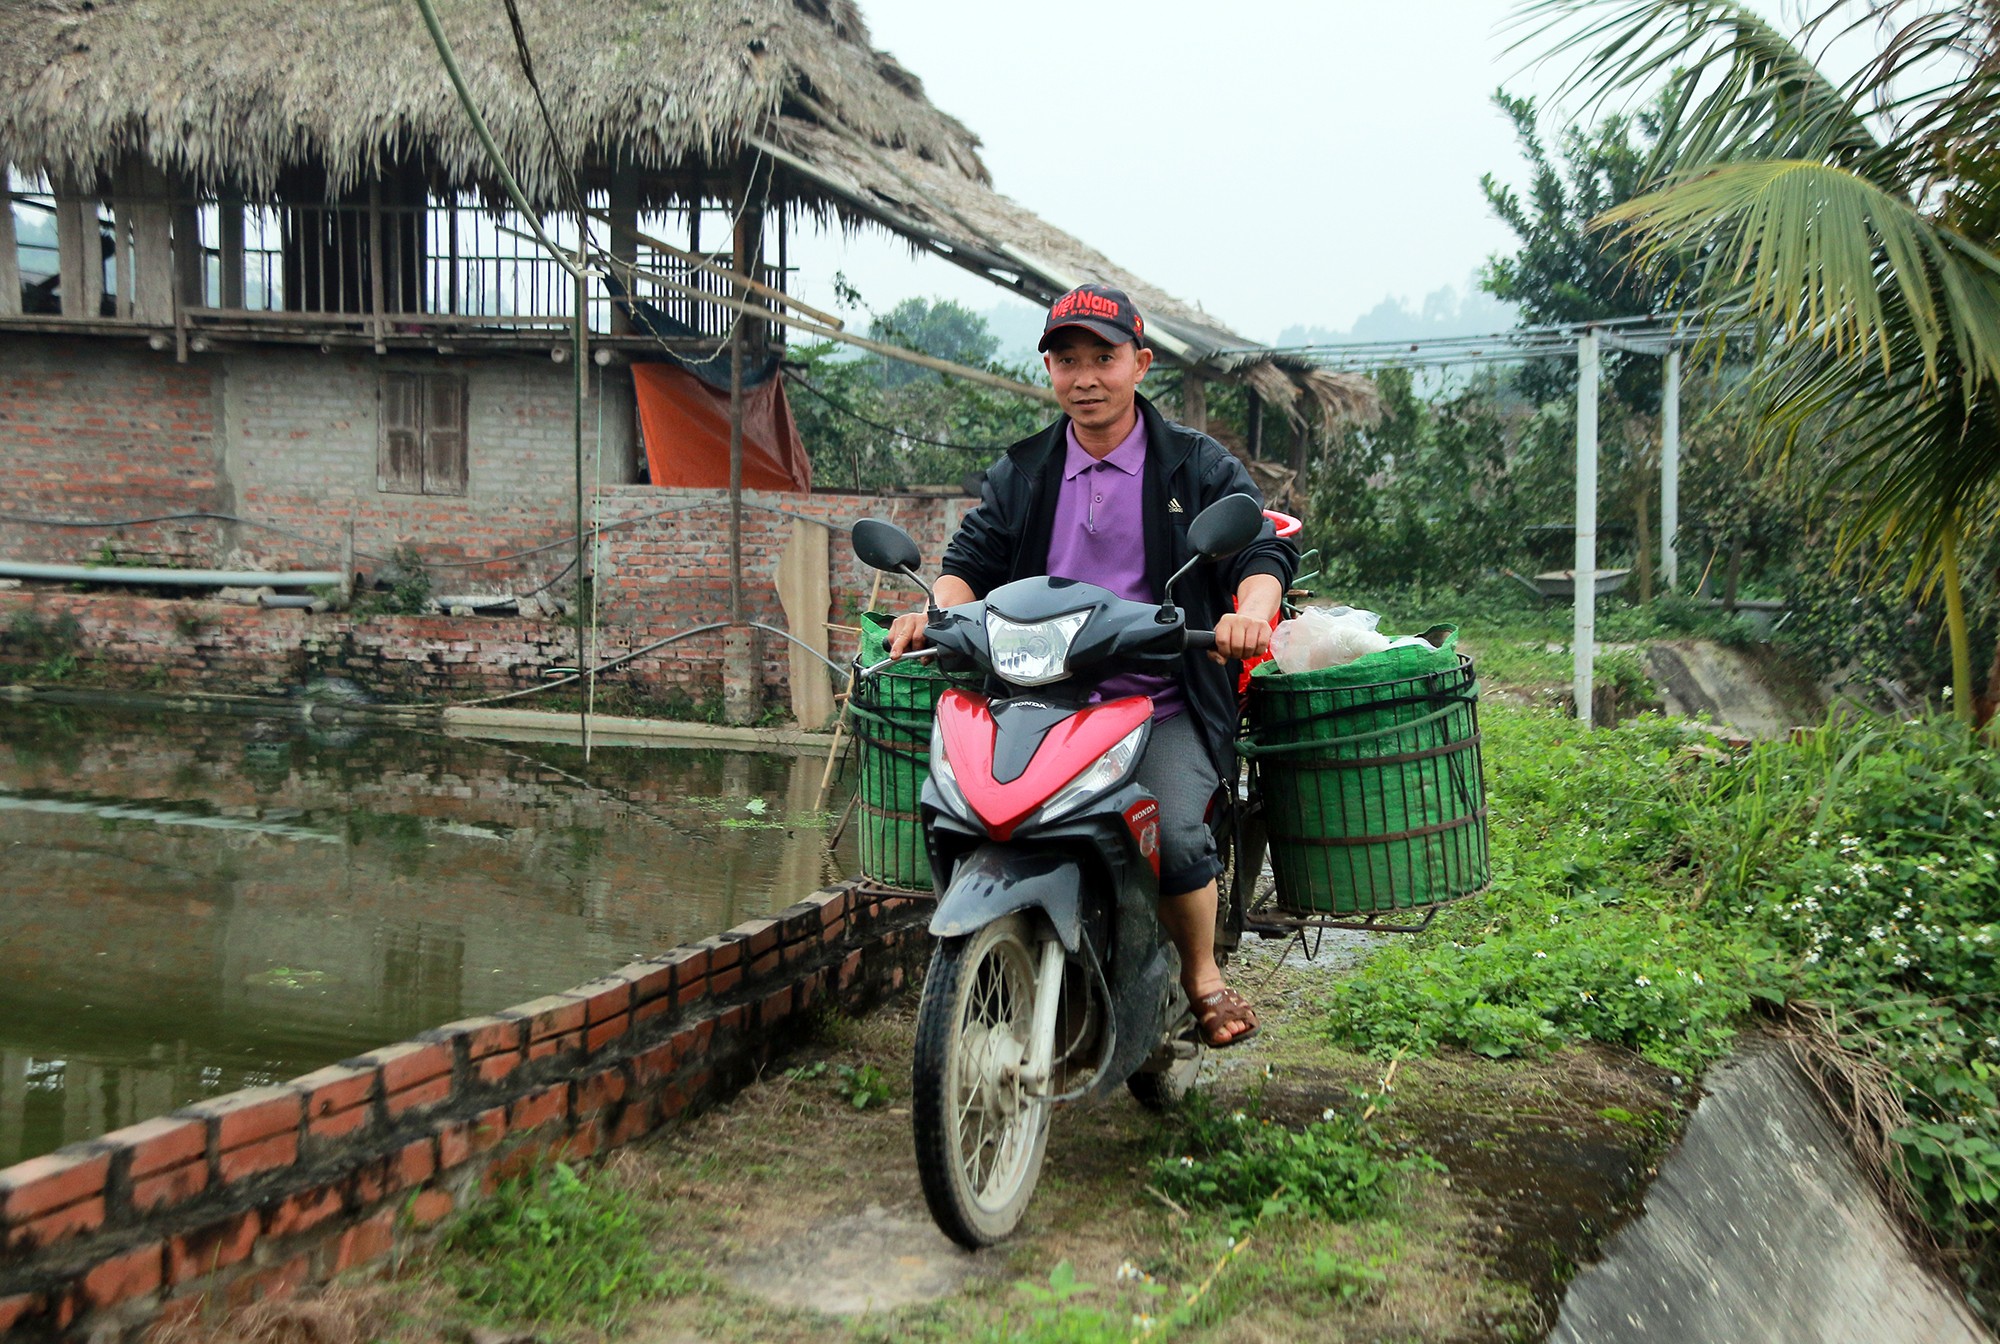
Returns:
(930, 651)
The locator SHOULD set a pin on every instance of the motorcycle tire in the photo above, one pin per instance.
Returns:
(979, 1134)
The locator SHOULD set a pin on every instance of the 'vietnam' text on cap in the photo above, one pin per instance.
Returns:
(1098, 309)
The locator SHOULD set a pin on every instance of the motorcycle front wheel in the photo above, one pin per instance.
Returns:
(980, 1132)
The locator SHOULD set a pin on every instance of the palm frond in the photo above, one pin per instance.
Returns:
(1735, 82)
(1813, 249)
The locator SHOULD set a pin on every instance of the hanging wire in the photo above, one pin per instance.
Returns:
(853, 414)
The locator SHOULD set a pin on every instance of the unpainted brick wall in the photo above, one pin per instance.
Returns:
(101, 429)
(663, 575)
(105, 429)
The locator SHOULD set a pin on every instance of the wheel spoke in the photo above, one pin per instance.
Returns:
(995, 1125)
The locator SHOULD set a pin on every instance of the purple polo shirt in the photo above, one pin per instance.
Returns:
(1099, 537)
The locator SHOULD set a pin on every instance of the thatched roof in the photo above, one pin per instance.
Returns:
(237, 91)
(236, 94)
(969, 222)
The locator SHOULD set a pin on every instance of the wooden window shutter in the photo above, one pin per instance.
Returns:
(399, 446)
(444, 434)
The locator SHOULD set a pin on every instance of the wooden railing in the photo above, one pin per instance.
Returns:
(392, 270)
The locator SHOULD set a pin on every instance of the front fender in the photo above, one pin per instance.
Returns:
(994, 881)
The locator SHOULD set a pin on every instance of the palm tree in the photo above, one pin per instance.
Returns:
(1853, 223)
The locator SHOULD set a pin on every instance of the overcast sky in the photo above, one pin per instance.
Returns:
(1279, 162)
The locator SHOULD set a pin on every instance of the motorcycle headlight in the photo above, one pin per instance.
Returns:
(1106, 772)
(1032, 655)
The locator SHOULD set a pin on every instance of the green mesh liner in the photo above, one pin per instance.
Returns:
(891, 717)
(1373, 791)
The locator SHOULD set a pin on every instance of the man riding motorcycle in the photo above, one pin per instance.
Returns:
(1104, 496)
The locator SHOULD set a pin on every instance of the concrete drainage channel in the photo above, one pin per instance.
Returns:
(1760, 1227)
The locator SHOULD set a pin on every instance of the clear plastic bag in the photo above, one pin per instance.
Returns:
(1326, 637)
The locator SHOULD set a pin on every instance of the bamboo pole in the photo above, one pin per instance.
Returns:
(580, 357)
(701, 263)
(846, 700)
(897, 352)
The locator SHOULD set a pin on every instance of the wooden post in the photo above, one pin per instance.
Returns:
(229, 242)
(80, 253)
(1583, 639)
(190, 263)
(1253, 432)
(376, 294)
(1194, 401)
(121, 243)
(10, 253)
(624, 245)
(153, 268)
(740, 672)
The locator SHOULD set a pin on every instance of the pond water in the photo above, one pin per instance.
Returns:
(193, 904)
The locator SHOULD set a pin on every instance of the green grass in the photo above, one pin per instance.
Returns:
(1247, 1167)
(558, 1247)
(1648, 891)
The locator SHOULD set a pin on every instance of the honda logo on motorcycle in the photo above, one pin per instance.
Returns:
(1144, 820)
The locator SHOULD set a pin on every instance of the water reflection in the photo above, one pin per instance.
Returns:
(192, 905)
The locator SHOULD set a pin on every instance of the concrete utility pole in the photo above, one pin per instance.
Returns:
(1670, 469)
(1583, 641)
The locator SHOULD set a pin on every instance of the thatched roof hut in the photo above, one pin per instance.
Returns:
(259, 98)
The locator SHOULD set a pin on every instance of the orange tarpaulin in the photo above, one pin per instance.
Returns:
(686, 426)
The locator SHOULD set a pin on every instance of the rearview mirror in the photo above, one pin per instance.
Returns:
(1226, 526)
(883, 545)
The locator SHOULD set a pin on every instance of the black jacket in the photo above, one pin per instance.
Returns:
(1007, 538)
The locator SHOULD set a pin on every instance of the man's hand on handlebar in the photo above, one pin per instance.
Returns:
(906, 632)
(1238, 636)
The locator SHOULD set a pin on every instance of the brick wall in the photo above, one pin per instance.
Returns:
(248, 1196)
(664, 573)
(169, 643)
(97, 429)
(89, 426)
(101, 430)
(671, 573)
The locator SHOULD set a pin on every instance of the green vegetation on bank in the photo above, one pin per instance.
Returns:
(553, 1246)
(1650, 889)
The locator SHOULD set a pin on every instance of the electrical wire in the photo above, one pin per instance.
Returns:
(850, 412)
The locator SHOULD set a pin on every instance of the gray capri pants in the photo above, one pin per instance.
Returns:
(1177, 771)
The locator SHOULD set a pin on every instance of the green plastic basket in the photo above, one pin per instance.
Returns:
(891, 715)
(1373, 791)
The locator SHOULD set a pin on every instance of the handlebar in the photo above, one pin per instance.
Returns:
(906, 656)
(1196, 640)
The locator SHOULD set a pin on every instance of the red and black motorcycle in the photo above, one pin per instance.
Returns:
(1053, 979)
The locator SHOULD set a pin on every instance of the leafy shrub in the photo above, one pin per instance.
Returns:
(1247, 1167)
(409, 587)
(1870, 856)
(1576, 939)
(554, 1247)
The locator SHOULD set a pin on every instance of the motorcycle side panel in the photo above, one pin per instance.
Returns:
(996, 880)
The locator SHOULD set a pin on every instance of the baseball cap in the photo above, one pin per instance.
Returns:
(1098, 309)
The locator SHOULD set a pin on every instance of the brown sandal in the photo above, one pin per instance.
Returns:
(1223, 1008)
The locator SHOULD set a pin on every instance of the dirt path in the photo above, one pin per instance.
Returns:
(791, 1215)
